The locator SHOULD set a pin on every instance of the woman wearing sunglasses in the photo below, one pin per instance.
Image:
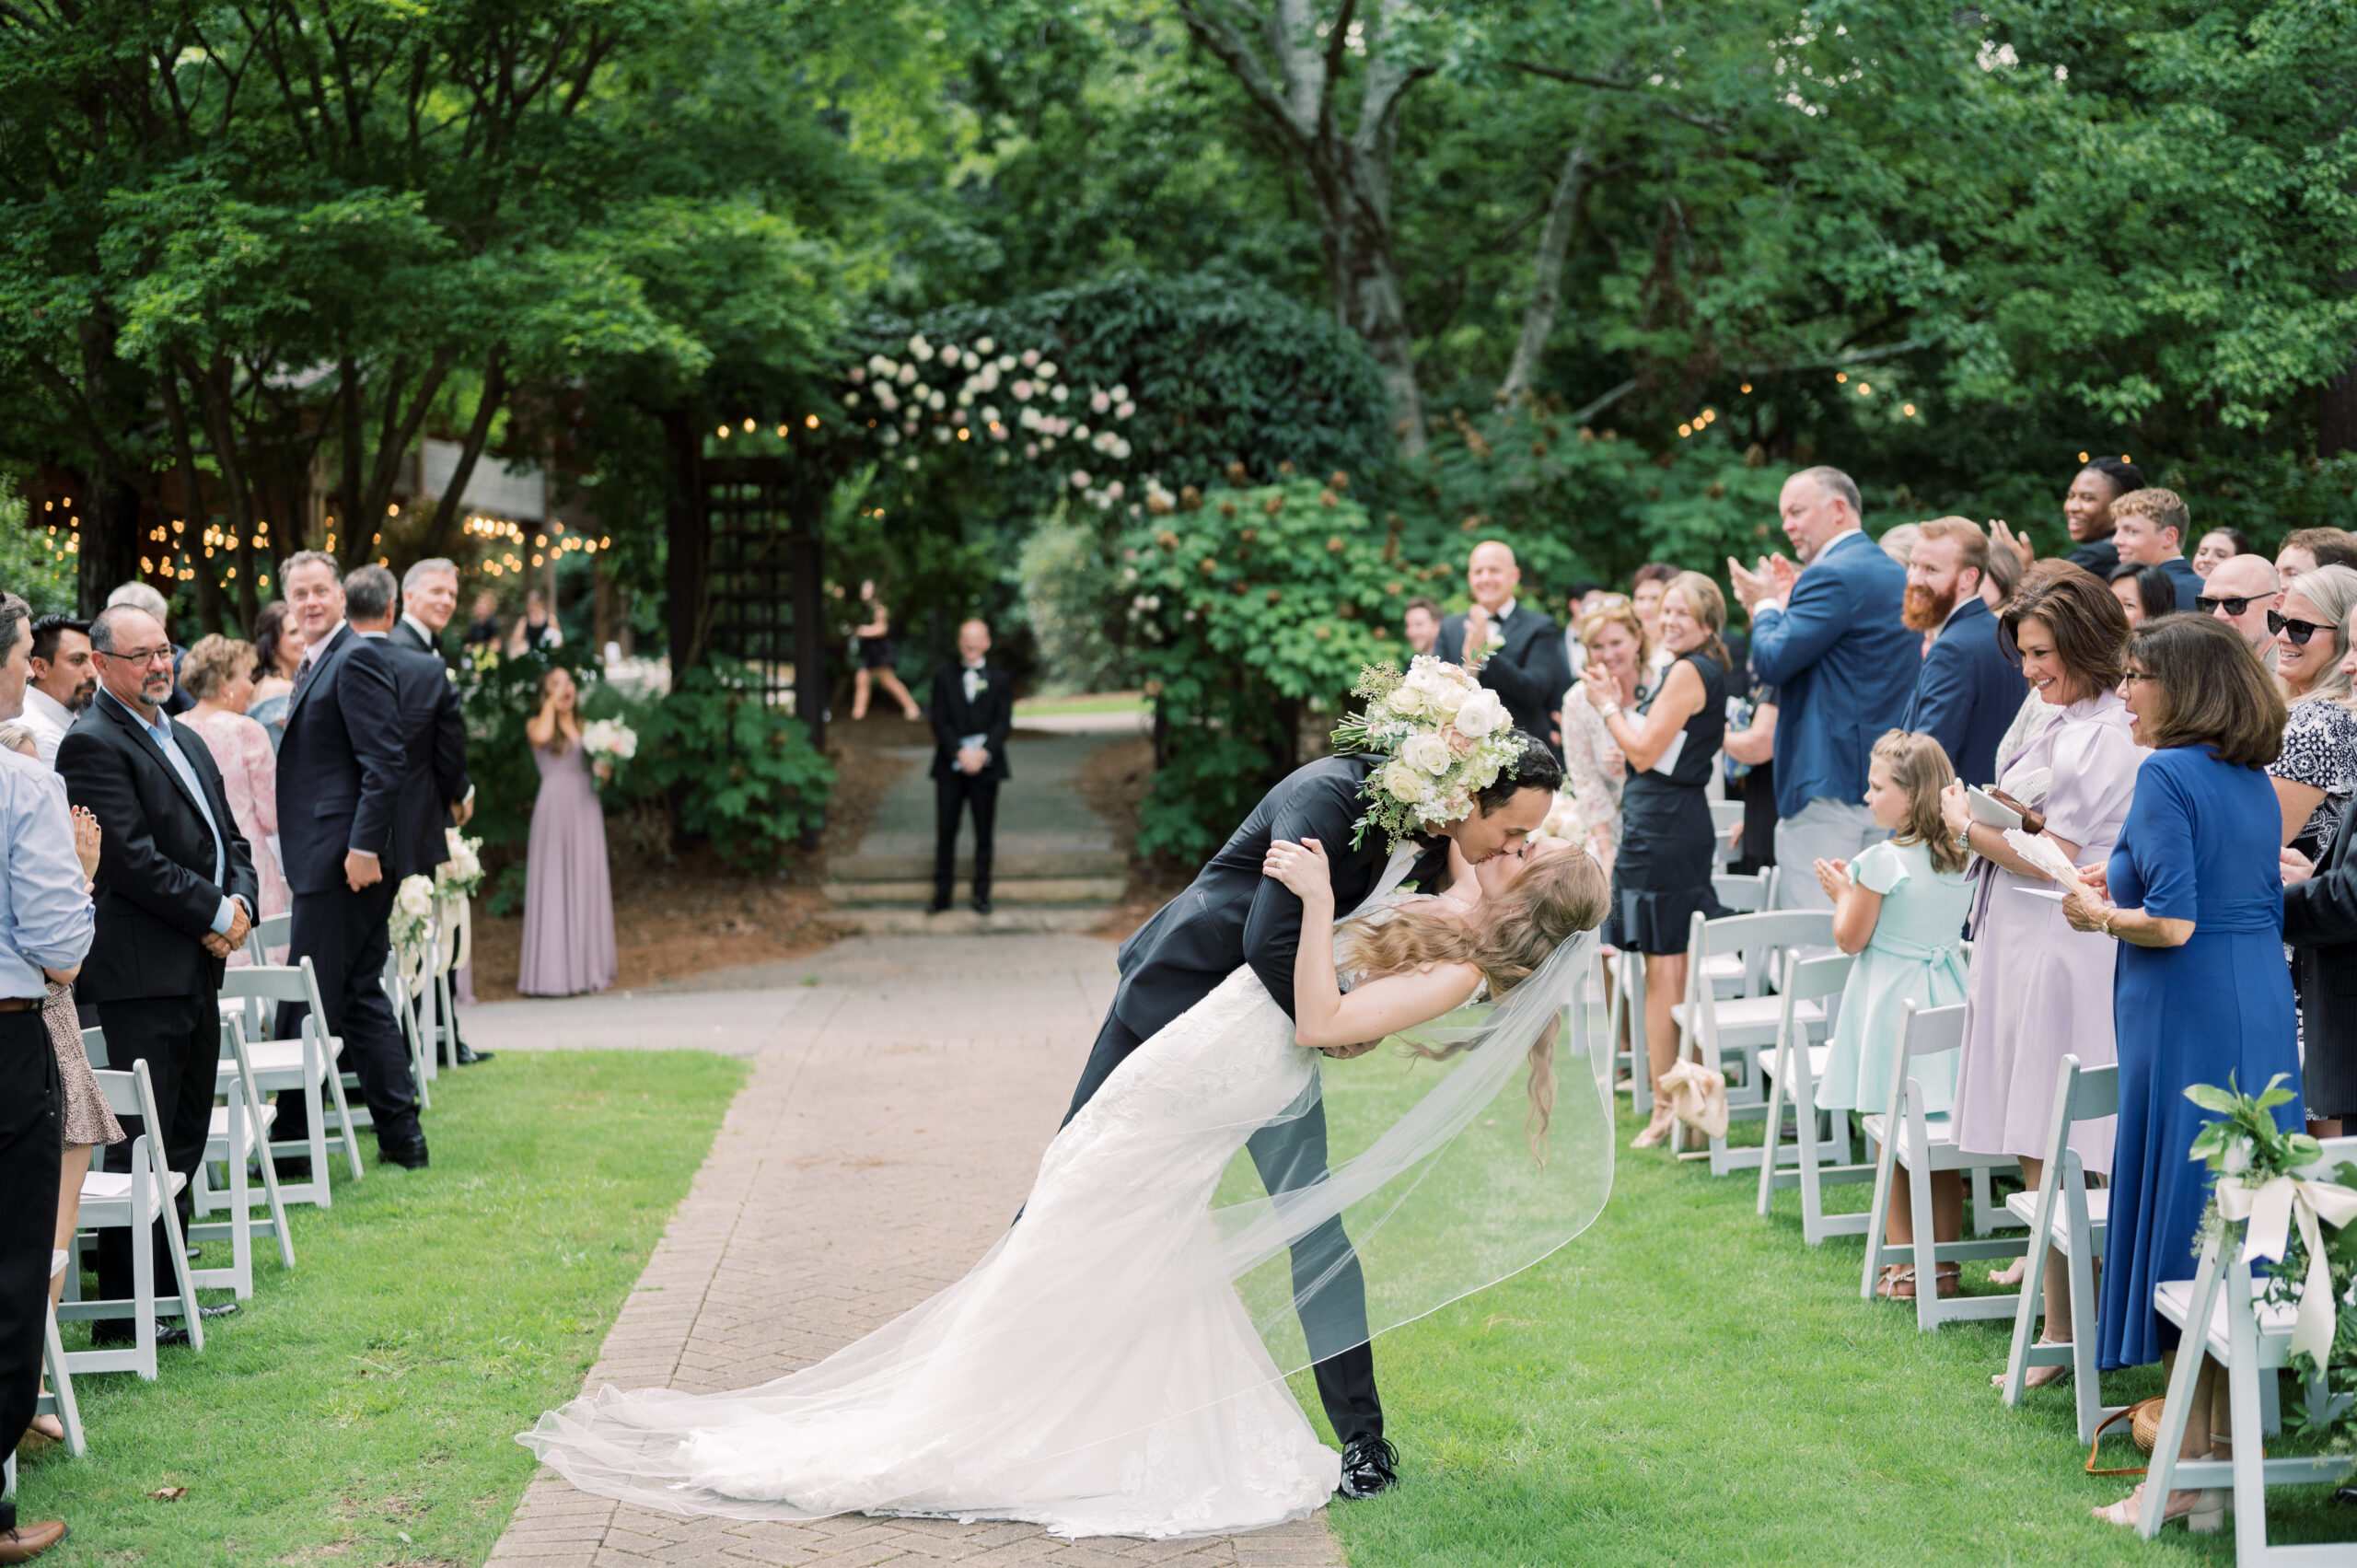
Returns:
(2316, 774)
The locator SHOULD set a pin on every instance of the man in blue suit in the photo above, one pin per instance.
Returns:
(1831, 640)
(1969, 691)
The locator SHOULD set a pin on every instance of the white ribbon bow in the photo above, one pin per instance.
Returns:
(2270, 1209)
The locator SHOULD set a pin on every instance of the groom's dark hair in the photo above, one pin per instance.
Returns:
(1534, 767)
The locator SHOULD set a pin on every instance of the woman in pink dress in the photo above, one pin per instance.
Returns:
(2040, 990)
(568, 892)
(219, 673)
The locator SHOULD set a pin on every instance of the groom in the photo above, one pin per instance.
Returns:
(1231, 915)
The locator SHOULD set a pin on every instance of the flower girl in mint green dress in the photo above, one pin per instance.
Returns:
(1900, 906)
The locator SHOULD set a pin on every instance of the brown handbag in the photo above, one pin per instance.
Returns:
(2143, 1420)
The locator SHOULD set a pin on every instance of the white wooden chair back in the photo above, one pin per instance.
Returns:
(1810, 1163)
(58, 1399)
(271, 931)
(304, 1064)
(1727, 815)
(240, 1129)
(135, 1201)
(1729, 1034)
(414, 1031)
(1736, 974)
(2063, 1214)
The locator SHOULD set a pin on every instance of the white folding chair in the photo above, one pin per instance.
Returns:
(240, 1129)
(1727, 815)
(1628, 1020)
(134, 1200)
(1728, 973)
(271, 931)
(1709, 1030)
(1810, 1163)
(58, 1399)
(1925, 1143)
(2066, 1215)
(2252, 1340)
(414, 1035)
(304, 1066)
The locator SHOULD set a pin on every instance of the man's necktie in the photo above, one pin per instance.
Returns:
(302, 672)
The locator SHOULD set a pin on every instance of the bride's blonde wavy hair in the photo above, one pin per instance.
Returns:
(1559, 894)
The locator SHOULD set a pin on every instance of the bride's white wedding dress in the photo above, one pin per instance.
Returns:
(1096, 1373)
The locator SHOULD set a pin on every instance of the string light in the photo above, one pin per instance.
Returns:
(1840, 375)
(1747, 388)
(811, 420)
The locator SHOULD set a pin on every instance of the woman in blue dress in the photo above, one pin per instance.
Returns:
(2201, 995)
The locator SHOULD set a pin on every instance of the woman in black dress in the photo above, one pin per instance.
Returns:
(873, 644)
(1663, 874)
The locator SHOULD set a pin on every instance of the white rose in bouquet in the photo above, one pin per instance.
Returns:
(1480, 715)
(1427, 753)
(1403, 782)
(1405, 701)
(1445, 699)
(609, 738)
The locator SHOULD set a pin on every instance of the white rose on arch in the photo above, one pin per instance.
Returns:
(1427, 753)
(1480, 714)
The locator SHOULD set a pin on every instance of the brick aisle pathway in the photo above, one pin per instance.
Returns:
(893, 1122)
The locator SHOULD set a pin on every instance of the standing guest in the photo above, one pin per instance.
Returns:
(1898, 543)
(64, 681)
(1584, 597)
(536, 630)
(1751, 754)
(141, 595)
(1662, 873)
(2240, 591)
(2320, 923)
(2145, 593)
(2148, 527)
(873, 644)
(218, 673)
(2218, 547)
(2201, 995)
(2304, 549)
(2004, 574)
(429, 598)
(1898, 906)
(568, 887)
(2317, 771)
(2086, 511)
(432, 732)
(1594, 769)
(2040, 990)
(340, 772)
(1968, 691)
(45, 931)
(278, 654)
(973, 710)
(1422, 620)
(2036, 714)
(1518, 648)
(1646, 589)
(484, 627)
(176, 895)
(1834, 643)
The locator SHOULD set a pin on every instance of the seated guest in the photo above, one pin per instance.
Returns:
(1594, 769)
(1423, 624)
(2148, 527)
(1968, 691)
(2316, 773)
(2240, 591)
(2304, 549)
(2038, 990)
(1663, 872)
(1899, 906)
(218, 672)
(2202, 996)
(2145, 593)
(2086, 511)
(278, 654)
(63, 681)
(1516, 646)
(2217, 546)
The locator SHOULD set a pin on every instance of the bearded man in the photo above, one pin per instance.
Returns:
(1968, 691)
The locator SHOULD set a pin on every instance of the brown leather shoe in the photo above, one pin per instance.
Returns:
(28, 1541)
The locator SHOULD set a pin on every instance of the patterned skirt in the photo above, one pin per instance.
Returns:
(88, 1120)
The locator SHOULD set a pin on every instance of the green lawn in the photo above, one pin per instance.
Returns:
(1687, 1383)
(360, 1410)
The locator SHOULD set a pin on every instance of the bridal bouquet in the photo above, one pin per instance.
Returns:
(460, 872)
(610, 740)
(1445, 735)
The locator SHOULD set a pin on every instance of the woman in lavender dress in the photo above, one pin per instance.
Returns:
(2040, 990)
(568, 894)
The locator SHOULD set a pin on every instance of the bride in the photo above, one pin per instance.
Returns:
(1097, 1373)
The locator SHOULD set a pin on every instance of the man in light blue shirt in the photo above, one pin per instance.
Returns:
(45, 924)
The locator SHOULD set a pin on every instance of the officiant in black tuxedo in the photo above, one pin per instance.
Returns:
(972, 711)
(1231, 915)
(1526, 666)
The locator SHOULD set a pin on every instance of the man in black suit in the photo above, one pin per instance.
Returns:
(340, 775)
(176, 894)
(1526, 666)
(429, 598)
(1233, 915)
(2320, 925)
(972, 710)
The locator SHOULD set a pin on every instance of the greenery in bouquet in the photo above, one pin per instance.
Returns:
(1447, 736)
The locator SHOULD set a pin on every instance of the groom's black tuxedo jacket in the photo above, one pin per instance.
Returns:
(1232, 914)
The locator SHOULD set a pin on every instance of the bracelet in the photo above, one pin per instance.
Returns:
(2104, 924)
(1964, 838)
(1612, 713)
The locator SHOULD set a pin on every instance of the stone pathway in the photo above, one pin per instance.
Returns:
(891, 1127)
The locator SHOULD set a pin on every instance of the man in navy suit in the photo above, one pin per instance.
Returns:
(1968, 692)
(340, 778)
(1831, 640)
(1526, 667)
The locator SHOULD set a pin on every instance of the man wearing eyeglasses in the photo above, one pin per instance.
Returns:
(176, 893)
(2240, 590)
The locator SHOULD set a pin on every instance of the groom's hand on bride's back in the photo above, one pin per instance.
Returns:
(1344, 1052)
(1301, 866)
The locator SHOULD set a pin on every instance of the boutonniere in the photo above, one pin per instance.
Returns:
(1497, 638)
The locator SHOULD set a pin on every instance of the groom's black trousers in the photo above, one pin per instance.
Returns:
(1329, 1289)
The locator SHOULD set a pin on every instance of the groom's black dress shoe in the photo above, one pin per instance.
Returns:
(407, 1152)
(981, 906)
(469, 1055)
(1369, 1465)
